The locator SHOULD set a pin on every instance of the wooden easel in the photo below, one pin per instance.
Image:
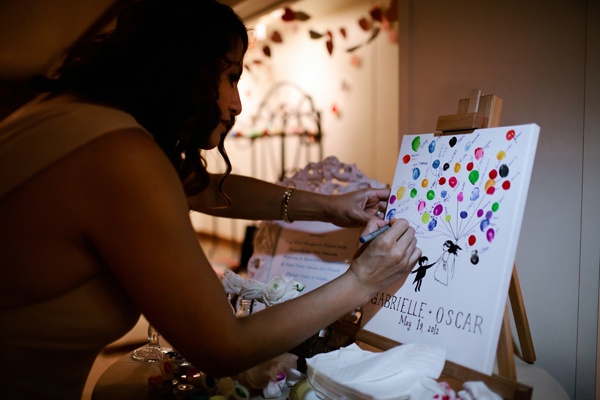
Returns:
(478, 112)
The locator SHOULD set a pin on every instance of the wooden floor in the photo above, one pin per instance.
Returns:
(222, 255)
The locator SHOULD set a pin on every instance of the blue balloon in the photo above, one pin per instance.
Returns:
(444, 193)
(432, 224)
(436, 164)
(432, 146)
(463, 214)
(391, 214)
(416, 173)
(475, 194)
(467, 146)
(484, 224)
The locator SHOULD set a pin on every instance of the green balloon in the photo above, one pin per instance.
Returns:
(413, 193)
(416, 143)
(495, 207)
(430, 195)
(448, 218)
(473, 176)
(425, 218)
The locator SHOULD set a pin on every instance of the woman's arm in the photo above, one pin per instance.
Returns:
(139, 226)
(259, 200)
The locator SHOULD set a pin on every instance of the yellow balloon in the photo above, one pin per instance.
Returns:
(425, 218)
(425, 183)
(501, 155)
(400, 193)
(489, 184)
(456, 167)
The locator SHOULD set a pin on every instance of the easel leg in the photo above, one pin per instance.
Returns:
(521, 323)
(505, 352)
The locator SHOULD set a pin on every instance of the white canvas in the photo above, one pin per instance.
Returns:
(465, 196)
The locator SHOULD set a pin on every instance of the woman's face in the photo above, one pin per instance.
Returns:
(229, 97)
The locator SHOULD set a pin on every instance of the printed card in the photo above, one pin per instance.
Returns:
(313, 253)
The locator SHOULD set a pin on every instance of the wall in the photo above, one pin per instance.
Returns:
(366, 131)
(536, 56)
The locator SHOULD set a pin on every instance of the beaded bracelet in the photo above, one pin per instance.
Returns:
(284, 204)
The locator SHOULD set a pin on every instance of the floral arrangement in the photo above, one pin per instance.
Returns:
(278, 290)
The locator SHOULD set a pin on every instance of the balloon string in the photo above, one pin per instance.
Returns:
(485, 194)
(466, 232)
(450, 230)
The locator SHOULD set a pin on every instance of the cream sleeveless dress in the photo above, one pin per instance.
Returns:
(47, 349)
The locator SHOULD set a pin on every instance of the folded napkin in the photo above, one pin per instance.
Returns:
(477, 391)
(404, 372)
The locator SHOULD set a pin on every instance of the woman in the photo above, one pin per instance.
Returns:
(97, 180)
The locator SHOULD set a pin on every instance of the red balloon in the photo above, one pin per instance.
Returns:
(442, 180)
(493, 174)
(510, 134)
(406, 159)
(506, 185)
(491, 190)
(453, 181)
(469, 166)
(472, 240)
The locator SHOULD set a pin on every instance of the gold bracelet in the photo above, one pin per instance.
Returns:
(285, 203)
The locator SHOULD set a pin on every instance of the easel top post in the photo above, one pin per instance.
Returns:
(476, 112)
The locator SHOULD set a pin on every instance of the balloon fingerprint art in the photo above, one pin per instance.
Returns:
(452, 189)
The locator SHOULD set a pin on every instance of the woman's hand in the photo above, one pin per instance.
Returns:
(355, 208)
(386, 259)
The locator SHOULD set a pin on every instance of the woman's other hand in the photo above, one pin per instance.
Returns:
(356, 208)
(388, 258)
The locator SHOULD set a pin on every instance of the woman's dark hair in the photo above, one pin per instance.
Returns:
(161, 64)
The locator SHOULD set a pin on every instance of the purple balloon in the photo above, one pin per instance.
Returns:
(489, 214)
(438, 210)
(392, 199)
(490, 235)
(479, 213)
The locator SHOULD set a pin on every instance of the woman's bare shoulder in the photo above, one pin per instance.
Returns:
(87, 193)
(127, 167)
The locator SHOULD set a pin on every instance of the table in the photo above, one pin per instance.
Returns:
(127, 379)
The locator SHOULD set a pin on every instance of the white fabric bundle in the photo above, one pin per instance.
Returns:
(477, 391)
(404, 372)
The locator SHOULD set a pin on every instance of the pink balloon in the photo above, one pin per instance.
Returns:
(421, 206)
(438, 210)
(478, 153)
(460, 196)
